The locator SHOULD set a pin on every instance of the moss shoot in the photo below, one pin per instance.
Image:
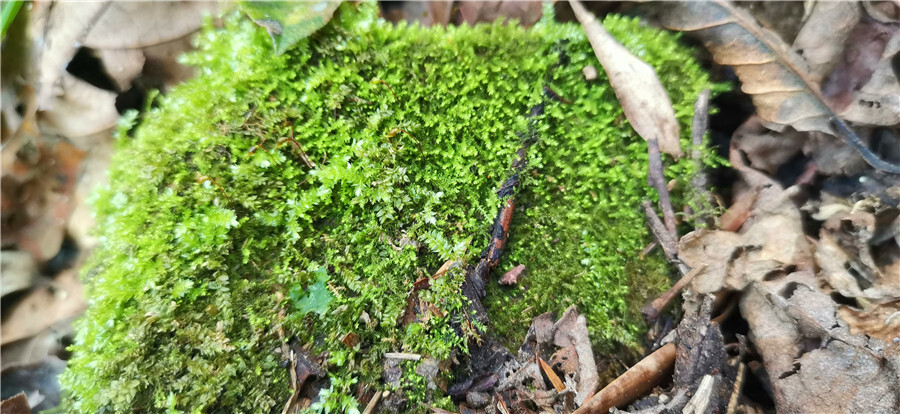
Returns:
(220, 239)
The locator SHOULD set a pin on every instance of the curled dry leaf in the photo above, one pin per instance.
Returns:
(770, 72)
(80, 110)
(771, 240)
(644, 101)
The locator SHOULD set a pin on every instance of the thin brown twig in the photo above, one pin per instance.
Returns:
(653, 309)
(666, 240)
(657, 180)
(700, 181)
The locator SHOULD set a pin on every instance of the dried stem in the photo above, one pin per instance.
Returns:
(633, 383)
(657, 180)
(652, 310)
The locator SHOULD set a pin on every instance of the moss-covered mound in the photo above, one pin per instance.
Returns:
(219, 238)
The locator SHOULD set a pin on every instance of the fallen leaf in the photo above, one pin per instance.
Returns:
(822, 38)
(44, 306)
(644, 101)
(80, 110)
(17, 404)
(877, 102)
(882, 321)
(526, 12)
(773, 75)
(571, 331)
(289, 22)
(810, 356)
(427, 14)
(66, 25)
(18, 269)
(129, 25)
(512, 276)
(351, 339)
(767, 150)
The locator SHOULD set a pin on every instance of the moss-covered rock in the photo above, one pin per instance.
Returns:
(217, 236)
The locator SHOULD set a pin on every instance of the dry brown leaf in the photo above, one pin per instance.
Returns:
(772, 239)
(18, 269)
(81, 109)
(878, 101)
(810, 356)
(821, 40)
(527, 12)
(44, 306)
(767, 150)
(882, 321)
(128, 25)
(554, 379)
(571, 331)
(770, 72)
(65, 25)
(425, 13)
(643, 98)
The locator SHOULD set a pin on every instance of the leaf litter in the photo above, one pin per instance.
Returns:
(822, 306)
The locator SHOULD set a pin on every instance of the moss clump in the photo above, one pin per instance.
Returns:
(214, 239)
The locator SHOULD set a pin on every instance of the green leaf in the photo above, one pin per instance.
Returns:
(317, 298)
(288, 22)
(8, 12)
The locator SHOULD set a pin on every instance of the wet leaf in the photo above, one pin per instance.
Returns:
(289, 22)
(644, 101)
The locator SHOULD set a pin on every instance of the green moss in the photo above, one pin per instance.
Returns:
(209, 249)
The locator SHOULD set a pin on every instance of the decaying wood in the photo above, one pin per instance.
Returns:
(639, 379)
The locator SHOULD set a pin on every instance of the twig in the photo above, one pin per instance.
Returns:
(700, 181)
(403, 355)
(652, 310)
(370, 407)
(633, 383)
(657, 180)
(665, 239)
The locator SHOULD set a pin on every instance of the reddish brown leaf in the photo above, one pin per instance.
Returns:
(512, 277)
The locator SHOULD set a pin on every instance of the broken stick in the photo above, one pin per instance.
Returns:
(639, 379)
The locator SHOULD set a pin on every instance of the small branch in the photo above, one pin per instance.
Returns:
(403, 356)
(633, 383)
(700, 123)
(665, 239)
(370, 408)
(657, 180)
(652, 311)
(700, 181)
